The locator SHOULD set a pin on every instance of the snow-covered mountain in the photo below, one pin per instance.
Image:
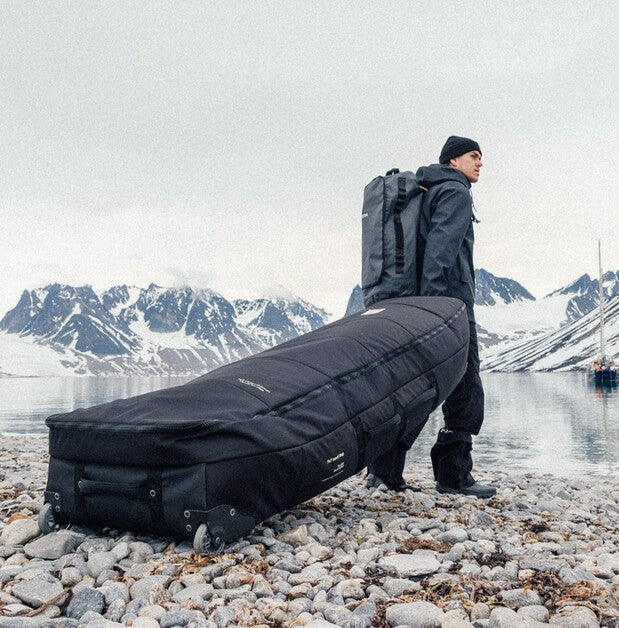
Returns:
(73, 318)
(277, 320)
(129, 330)
(62, 329)
(526, 318)
(571, 346)
(557, 332)
(490, 289)
(584, 293)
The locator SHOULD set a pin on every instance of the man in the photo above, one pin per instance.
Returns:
(445, 253)
(445, 263)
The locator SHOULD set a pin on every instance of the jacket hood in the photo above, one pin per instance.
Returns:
(438, 173)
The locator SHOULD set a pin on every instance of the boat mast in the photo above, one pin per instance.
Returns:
(602, 348)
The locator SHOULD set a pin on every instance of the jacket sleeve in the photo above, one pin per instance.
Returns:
(449, 223)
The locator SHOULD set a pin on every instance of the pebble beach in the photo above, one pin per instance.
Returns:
(543, 551)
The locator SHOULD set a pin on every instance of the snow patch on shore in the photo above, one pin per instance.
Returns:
(23, 357)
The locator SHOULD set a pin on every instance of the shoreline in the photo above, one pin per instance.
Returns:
(544, 550)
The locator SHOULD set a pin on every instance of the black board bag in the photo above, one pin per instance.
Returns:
(208, 460)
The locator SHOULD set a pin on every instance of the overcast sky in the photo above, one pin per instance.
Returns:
(227, 144)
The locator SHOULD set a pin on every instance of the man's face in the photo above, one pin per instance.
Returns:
(469, 164)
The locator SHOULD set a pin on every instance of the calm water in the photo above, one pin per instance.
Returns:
(544, 423)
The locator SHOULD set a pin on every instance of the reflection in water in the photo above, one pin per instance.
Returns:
(603, 394)
(25, 403)
(543, 422)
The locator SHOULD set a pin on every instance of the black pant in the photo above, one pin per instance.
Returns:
(390, 465)
(463, 412)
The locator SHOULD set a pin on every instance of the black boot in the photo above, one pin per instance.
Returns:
(373, 481)
(452, 464)
(387, 469)
(476, 490)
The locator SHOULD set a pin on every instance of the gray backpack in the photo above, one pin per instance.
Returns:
(389, 225)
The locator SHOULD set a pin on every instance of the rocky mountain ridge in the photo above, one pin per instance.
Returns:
(127, 330)
(152, 331)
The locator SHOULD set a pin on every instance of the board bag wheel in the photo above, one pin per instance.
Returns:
(46, 519)
(205, 543)
(202, 540)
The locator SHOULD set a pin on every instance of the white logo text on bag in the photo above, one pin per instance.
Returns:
(253, 385)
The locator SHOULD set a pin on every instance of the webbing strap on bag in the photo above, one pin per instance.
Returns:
(397, 224)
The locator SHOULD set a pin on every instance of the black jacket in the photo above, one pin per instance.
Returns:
(445, 246)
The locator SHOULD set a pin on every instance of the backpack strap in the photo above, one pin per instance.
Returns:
(392, 171)
(397, 223)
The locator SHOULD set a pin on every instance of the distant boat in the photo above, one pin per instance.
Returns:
(603, 370)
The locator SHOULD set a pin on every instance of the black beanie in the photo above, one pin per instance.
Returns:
(456, 146)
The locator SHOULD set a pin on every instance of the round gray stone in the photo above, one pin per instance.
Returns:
(19, 532)
(365, 612)
(145, 622)
(101, 561)
(183, 618)
(311, 574)
(141, 548)
(98, 544)
(121, 550)
(420, 563)
(455, 535)
(537, 613)
(115, 610)
(142, 588)
(90, 619)
(106, 576)
(480, 519)
(194, 592)
(115, 591)
(85, 600)
(516, 598)
(135, 607)
(14, 610)
(394, 587)
(573, 576)
(261, 587)
(52, 546)
(480, 610)
(337, 614)
(415, 615)
(575, 617)
(71, 560)
(296, 537)
(369, 554)
(503, 617)
(6, 551)
(37, 571)
(36, 592)
(9, 572)
(70, 576)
